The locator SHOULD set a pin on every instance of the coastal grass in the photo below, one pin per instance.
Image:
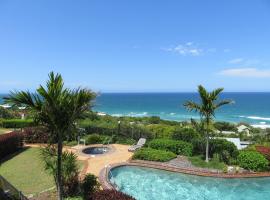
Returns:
(198, 161)
(26, 172)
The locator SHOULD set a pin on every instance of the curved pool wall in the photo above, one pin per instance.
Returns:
(153, 184)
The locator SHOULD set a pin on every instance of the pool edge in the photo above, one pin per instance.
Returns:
(105, 182)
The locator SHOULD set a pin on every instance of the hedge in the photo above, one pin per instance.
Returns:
(185, 134)
(35, 135)
(222, 147)
(17, 123)
(253, 160)
(153, 155)
(177, 147)
(10, 143)
(227, 150)
(110, 194)
(94, 139)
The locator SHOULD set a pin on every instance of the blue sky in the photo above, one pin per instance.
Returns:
(136, 46)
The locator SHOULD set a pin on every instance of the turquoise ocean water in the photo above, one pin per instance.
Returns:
(253, 108)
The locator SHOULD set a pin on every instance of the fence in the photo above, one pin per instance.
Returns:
(9, 192)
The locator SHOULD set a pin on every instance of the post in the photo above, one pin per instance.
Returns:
(119, 122)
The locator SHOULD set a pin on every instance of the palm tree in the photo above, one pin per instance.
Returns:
(209, 104)
(56, 108)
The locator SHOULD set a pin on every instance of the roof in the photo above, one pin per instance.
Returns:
(242, 128)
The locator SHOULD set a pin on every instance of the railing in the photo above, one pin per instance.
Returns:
(9, 192)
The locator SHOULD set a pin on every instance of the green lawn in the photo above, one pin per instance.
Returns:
(4, 130)
(25, 171)
(198, 161)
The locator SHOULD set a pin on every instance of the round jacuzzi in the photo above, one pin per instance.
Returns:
(96, 150)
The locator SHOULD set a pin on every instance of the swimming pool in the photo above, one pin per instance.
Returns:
(95, 150)
(152, 184)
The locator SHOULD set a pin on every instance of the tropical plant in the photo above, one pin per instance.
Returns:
(153, 155)
(206, 108)
(253, 160)
(110, 195)
(57, 108)
(89, 185)
(70, 170)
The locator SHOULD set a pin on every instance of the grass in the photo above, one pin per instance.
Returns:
(198, 161)
(4, 130)
(25, 171)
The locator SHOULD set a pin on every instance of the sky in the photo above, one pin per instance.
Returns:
(136, 46)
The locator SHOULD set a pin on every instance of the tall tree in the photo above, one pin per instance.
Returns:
(207, 107)
(57, 108)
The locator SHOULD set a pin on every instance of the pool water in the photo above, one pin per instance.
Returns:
(96, 150)
(152, 184)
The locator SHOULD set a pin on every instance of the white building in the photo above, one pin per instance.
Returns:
(243, 129)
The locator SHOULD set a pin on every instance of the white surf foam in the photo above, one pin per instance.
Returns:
(256, 117)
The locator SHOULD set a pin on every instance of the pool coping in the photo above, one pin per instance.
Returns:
(106, 184)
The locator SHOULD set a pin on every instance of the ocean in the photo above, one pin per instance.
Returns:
(253, 108)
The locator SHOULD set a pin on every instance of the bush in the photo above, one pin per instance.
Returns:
(153, 155)
(89, 185)
(70, 169)
(177, 147)
(225, 126)
(5, 113)
(110, 195)
(10, 143)
(227, 150)
(35, 135)
(161, 130)
(94, 139)
(17, 123)
(253, 160)
(185, 134)
(70, 144)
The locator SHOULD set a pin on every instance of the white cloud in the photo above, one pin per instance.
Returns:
(246, 72)
(187, 49)
(236, 61)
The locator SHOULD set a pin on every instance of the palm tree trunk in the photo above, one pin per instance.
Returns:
(207, 148)
(59, 169)
(207, 140)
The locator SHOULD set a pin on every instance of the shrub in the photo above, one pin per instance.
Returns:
(153, 155)
(225, 126)
(10, 143)
(17, 123)
(94, 139)
(70, 143)
(110, 195)
(35, 135)
(70, 170)
(89, 185)
(252, 160)
(5, 113)
(224, 148)
(198, 145)
(161, 130)
(177, 147)
(185, 134)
